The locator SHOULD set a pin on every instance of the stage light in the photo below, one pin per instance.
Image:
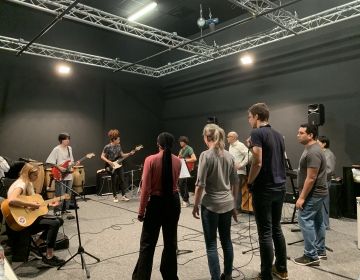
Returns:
(63, 69)
(246, 59)
(142, 11)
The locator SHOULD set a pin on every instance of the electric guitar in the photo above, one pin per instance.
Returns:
(118, 163)
(59, 175)
(19, 218)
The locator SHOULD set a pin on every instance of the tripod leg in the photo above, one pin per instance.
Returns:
(92, 256)
(67, 261)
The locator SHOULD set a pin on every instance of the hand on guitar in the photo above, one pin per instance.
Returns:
(33, 205)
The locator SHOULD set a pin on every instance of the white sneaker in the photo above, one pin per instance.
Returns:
(185, 204)
(124, 198)
(116, 199)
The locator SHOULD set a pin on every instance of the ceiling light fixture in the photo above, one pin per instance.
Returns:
(246, 59)
(63, 69)
(142, 11)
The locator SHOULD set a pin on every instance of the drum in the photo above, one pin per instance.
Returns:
(39, 182)
(78, 178)
(50, 189)
(246, 201)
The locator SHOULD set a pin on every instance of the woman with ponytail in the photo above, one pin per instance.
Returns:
(217, 175)
(159, 208)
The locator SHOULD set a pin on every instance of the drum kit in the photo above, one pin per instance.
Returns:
(49, 182)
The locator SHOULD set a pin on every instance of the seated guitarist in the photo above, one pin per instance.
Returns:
(111, 153)
(187, 153)
(48, 226)
(60, 154)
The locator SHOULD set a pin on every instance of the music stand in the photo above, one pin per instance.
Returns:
(81, 249)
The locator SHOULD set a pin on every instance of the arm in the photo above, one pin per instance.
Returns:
(192, 158)
(103, 157)
(255, 165)
(311, 174)
(197, 198)
(145, 190)
(125, 155)
(15, 201)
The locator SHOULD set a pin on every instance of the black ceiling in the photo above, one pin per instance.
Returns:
(178, 16)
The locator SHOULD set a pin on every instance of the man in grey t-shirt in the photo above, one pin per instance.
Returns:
(312, 192)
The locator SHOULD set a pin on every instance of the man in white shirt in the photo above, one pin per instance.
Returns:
(241, 155)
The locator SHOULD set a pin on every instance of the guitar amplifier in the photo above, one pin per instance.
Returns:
(62, 242)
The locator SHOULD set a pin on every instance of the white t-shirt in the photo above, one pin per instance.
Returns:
(27, 189)
(59, 155)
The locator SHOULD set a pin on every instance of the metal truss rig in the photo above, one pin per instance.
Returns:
(313, 22)
(98, 18)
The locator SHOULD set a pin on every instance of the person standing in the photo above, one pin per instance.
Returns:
(217, 176)
(59, 155)
(241, 155)
(312, 192)
(266, 181)
(159, 208)
(111, 153)
(187, 153)
(324, 143)
(49, 227)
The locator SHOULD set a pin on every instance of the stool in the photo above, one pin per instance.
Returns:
(105, 182)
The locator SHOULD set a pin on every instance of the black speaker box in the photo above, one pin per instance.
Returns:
(316, 114)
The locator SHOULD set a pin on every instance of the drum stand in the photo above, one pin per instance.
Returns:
(81, 251)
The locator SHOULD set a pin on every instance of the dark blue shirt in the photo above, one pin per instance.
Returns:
(272, 172)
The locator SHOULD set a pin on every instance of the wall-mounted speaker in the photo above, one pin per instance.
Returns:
(316, 114)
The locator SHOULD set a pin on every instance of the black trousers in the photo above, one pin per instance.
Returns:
(267, 209)
(161, 212)
(184, 192)
(118, 179)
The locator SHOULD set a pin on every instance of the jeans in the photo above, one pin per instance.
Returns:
(326, 207)
(60, 190)
(212, 222)
(312, 226)
(161, 212)
(267, 206)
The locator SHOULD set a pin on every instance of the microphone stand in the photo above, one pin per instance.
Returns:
(81, 249)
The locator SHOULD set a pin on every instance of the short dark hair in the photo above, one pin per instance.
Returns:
(325, 140)
(184, 139)
(63, 136)
(260, 109)
(310, 128)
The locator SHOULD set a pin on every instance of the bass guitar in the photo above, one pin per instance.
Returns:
(59, 175)
(19, 218)
(118, 163)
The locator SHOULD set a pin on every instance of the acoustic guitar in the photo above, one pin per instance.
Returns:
(59, 175)
(118, 163)
(19, 218)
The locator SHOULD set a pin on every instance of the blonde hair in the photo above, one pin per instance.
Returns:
(27, 170)
(215, 134)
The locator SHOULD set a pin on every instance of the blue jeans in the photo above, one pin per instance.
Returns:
(312, 226)
(212, 222)
(326, 208)
(60, 190)
(267, 206)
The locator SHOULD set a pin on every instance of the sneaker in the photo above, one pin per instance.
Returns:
(54, 261)
(124, 198)
(227, 277)
(305, 260)
(70, 217)
(322, 256)
(184, 204)
(116, 199)
(278, 274)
